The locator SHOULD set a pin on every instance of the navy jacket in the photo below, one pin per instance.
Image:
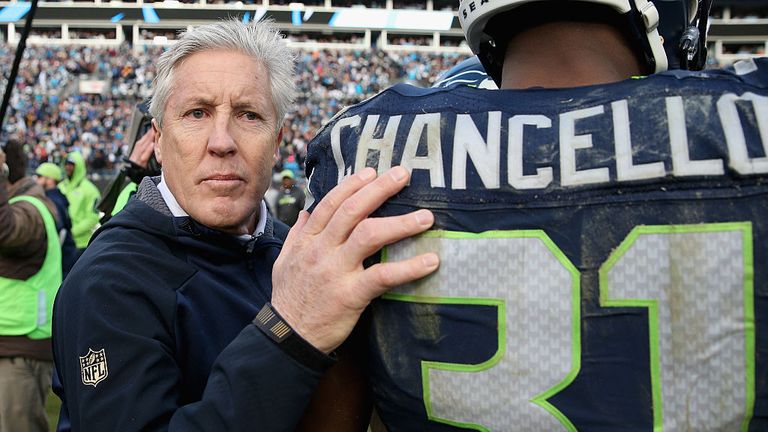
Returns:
(153, 330)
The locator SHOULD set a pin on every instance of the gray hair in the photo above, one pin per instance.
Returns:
(261, 40)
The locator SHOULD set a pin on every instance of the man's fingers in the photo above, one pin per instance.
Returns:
(149, 146)
(385, 276)
(330, 203)
(297, 227)
(372, 234)
(360, 205)
(143, 149)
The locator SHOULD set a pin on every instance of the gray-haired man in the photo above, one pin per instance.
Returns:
(165, 322)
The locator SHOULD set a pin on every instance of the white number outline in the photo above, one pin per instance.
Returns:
(540, 399)
(652, 306)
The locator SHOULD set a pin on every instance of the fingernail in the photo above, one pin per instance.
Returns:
(424, 217)
(367, 173)
(398, 173)
(430, 260)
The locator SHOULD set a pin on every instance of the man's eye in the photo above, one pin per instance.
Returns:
(251, 116)
(197, 113)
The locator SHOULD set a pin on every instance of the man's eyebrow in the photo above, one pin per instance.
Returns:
(198, 101)
(248, 103)
(255, 107)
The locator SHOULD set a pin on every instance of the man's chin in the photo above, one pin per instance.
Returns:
(226, 217)
(223, 187)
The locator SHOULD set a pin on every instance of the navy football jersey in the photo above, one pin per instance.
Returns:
(604, 253)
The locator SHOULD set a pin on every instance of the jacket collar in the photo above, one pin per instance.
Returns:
(149, 193)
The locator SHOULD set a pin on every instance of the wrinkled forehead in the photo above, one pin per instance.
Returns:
(217, 77)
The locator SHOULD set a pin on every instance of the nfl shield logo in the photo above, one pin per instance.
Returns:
(93, 367)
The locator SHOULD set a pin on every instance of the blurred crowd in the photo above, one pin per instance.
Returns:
(52, 116)
(331, 80)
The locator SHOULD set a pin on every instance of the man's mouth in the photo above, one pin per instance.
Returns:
(222, 180)
(223, 177)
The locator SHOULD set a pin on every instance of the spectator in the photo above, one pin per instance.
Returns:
(48, 177)
(83, 196)
(30, 274)
(271, 195)
(291, 199)
(141, 163)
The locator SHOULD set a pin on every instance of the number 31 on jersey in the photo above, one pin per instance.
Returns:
(694, 280)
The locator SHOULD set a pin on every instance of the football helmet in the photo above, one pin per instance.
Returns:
(671, 34)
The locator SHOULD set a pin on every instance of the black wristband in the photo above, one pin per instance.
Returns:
(274, 326)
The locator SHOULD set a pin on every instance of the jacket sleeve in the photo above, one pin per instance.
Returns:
(22, 226)
(253, 385)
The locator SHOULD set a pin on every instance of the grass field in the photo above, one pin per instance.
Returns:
(52, 405)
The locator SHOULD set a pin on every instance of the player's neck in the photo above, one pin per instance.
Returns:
(568, 54)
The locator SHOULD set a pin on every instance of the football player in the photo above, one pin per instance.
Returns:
(601, 223)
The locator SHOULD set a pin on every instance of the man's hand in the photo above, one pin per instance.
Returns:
(320, 286)
(143, 149)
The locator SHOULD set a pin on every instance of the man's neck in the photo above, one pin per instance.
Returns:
(568, 54)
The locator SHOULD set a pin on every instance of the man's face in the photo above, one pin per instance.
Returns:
(218, 138)
(287, 182)
(46, 182)
(69, 168)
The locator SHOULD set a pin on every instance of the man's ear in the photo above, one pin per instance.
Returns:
(156, 141)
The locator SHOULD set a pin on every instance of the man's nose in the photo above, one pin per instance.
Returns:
(220, 142)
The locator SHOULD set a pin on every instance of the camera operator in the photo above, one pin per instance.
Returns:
(139, 164)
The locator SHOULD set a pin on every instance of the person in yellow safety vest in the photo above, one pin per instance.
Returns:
(124, 196)
(139, 164)
(82, 196)
(30, 275)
